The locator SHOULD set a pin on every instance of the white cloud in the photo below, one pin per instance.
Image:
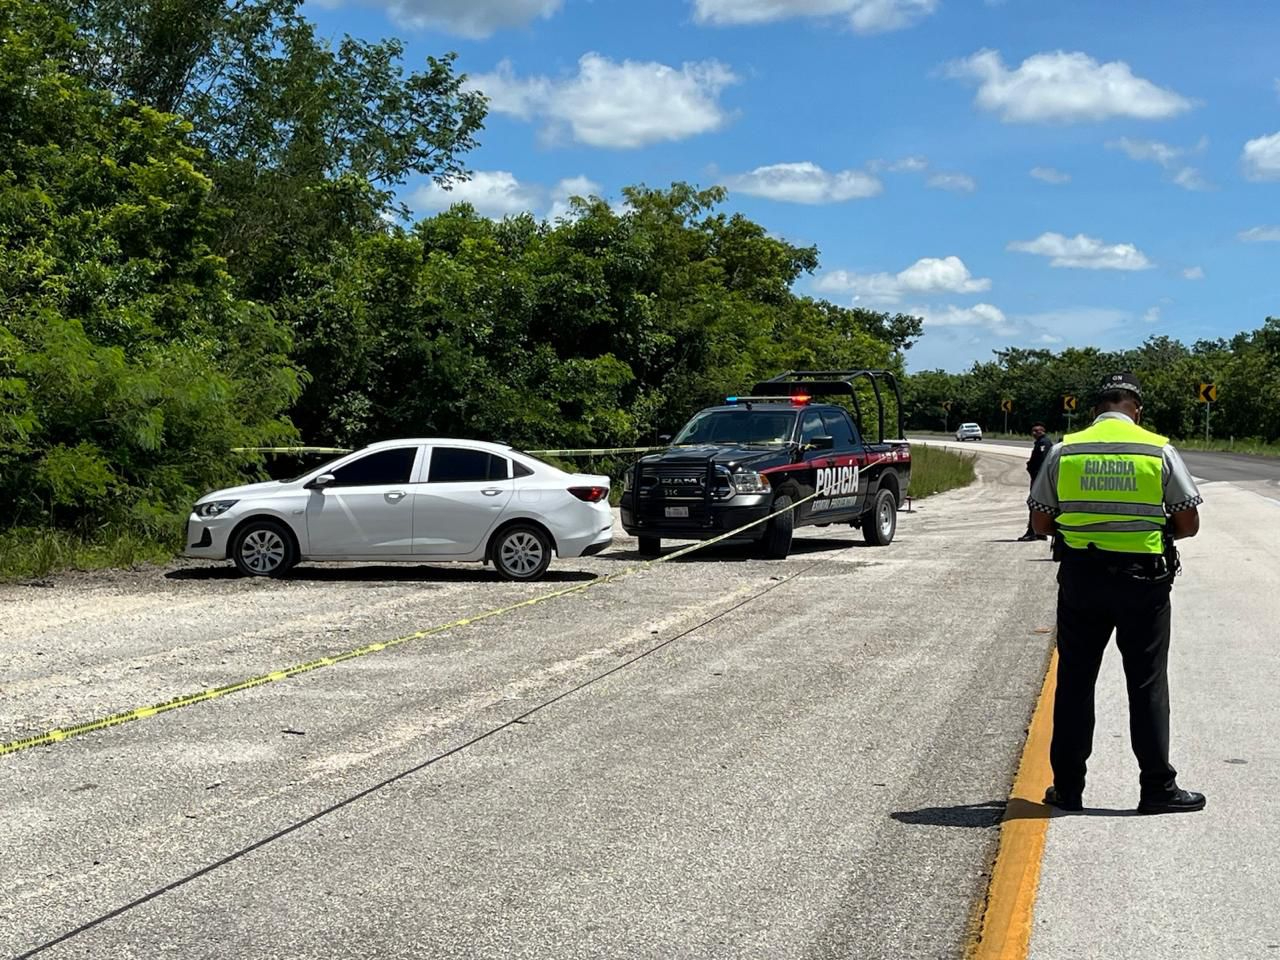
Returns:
(1168, 157)
(1189, 178)
(476, 19)
(864, 16)
(1260, 235)
(612, 104)
(954, 337)
(1050, 175)
(493, 193)
(1154, 150)
(1152, 315)
(1261, 158)
(566, 189)
(915, 164)
(1193, 273)
(805, 183)
(929, 275)
(1065, 87)
(1084, 252)
(498, 194)
(956, 182)
(985, 315)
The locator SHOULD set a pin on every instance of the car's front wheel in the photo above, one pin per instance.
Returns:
(521, 553)
(264, 548)
(776, 542)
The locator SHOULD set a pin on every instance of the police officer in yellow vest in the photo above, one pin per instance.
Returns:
(1116, 496)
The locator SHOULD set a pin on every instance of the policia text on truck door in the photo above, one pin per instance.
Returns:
(755, 455)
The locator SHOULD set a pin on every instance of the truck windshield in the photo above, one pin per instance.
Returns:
(739, 426)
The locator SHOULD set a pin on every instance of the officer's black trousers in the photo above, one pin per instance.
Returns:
(1092, 602)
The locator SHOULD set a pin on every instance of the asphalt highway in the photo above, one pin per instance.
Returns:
(716, 757)
(1211, 467)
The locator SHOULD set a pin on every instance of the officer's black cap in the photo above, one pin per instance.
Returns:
(1124, 380)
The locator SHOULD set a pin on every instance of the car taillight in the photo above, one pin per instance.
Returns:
(590, 494)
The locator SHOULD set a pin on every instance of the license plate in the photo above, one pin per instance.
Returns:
(675, 513)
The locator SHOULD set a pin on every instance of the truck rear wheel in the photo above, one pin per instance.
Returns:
(880, 523)
(650, 546)
(776, 542)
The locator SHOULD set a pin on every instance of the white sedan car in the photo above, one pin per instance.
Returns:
(969, 431)
(409, 501)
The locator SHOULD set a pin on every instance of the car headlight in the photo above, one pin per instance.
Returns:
(748, 481)
(214, 508)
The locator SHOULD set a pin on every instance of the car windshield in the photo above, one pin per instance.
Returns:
(739, 426)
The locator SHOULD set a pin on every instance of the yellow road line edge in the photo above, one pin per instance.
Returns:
(1004, 932)
(141, 713)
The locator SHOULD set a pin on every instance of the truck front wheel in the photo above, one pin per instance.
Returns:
(776, 542)
(880, 523)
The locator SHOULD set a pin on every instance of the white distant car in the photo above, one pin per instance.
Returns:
(409, 501)
(969, 431)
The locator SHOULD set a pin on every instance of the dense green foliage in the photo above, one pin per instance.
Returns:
(1245, 369)
(128, 363)
(599, 330)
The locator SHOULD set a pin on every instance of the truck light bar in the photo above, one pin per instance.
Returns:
(799, 399)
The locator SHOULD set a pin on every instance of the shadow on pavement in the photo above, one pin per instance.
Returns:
(370, 574)
(739, 552)
(993, 812)
(987, 814)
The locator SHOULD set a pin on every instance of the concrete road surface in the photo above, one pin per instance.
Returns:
(716, 757)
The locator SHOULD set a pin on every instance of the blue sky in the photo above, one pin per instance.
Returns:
(1018, 172)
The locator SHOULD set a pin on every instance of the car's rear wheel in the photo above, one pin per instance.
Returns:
(880, 523)
(776, 542)
(521, 553)
(264, 548)
(650, 546)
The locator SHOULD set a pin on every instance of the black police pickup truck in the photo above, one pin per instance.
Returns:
(756, 455)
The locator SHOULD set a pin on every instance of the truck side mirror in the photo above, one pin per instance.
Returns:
(822, 443)
(664, 438)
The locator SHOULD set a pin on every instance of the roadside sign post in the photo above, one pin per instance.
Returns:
(1006, 405)
(1069, 404)
(1207, 394)
(946, 416)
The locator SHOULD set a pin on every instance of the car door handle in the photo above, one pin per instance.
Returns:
(395, 496)
(491, 492)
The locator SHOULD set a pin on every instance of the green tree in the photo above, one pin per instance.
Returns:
(305, 142)
(128, 368)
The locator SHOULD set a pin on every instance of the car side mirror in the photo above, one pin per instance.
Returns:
(822, 443)
(320, 482)
(664, 438)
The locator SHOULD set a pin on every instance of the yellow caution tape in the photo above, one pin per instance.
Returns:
(592, 452)
(291, 450)
(191, 699)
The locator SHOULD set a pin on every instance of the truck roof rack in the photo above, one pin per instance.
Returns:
(837, 383)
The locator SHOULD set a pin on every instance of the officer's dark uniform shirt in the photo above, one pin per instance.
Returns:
(1039, 450)
(1180, 491)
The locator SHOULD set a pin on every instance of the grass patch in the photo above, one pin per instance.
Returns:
(1259, 448)
(934, 470)
(29, 552)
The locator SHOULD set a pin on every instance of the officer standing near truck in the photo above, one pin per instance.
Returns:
(1117, 496)
(1039, 450)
